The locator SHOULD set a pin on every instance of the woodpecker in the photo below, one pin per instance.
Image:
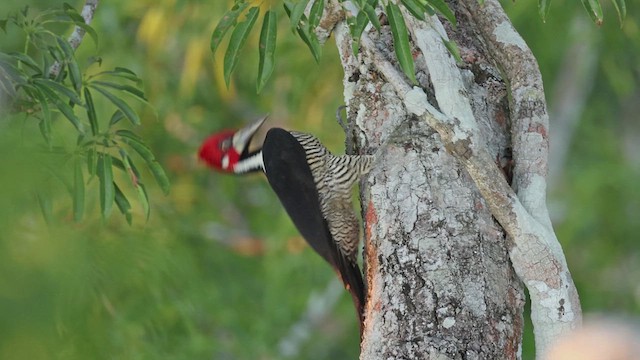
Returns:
(313, 185)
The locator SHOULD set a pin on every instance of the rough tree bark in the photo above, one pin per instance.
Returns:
(455, 212)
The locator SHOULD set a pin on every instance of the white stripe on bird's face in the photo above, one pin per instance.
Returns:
(225, 162)
(252, 163)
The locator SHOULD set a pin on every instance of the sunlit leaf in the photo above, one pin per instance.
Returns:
(371, 14)
(225, 24)
(267, 48)
(107, 192)
(91, 112)
(78, 190)
(356, 27)
(119, 103)
(401, 41)
(238, 38)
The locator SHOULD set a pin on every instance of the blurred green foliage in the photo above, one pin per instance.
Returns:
(218, 271)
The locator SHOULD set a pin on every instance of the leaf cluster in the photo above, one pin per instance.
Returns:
(47, 83)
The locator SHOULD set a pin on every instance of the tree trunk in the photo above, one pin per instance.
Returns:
(445, 232)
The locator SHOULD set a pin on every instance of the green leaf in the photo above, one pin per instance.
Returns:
(296, 13)
(27, 60)
(371, 14)
(91, 112)
(72, 65)
(267, 48)
(543, 9)
(416, 8)
(127, 88)
(621, 9)
(133, 173)
(401, 41)
(594, 10)
(443, 9)
(138, 146)
(92, 163)
(123, 204)
(107, 192)
(78, 190)
(238, 38)
(116, 117)
(45, 123)
(315, 14)
(121, 73)
(356, 27)
(62, 106)
(144, 199)
(89, 30)
(309, 37)
(225, 24)
(453, 49)
(119, 103)
(58, 87)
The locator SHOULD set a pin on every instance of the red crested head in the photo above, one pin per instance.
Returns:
(217, 151)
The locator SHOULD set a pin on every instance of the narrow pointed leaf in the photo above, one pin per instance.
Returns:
(107, 192)
(120, 104)
(127, 88)
(594, 10)
(145, 153)
(297, 12)
(621, 9)
(62, 106)
(401, 41)
(123, 204)
(543, 9)
(416, 8)
(116, 117)
(238, 38)
(58, 87)
(89, 30)
(267, 47)
(371, 14)
(443, 9)
(315, 14)
(72, 65)
(78, 191)
(227, 21)
(453, 49)
(356, 27)
(92, 160)
(91, 112)
(144, 199)
(309, 37)
(45, 123)
(27, 60)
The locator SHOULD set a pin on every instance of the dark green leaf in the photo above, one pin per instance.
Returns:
(45, 123)
(453, 49)
(267, 48)
(129, 135)
(120, 104)
(123, 204)
(62, 106)
(92, 163)
(107, 192)
(78, 191)
(144, 199)
(296, 13)
(133, 173)
(146, 154)
(72, 65)
(443, 9)
(128, 88)
(238, 38)
(315, 14)
(621, 9)
(594, 10)
(121, 73)
(401, 41)
(61, 89)
(356, 26)
(89, 30)
(91, 112)
(416, 8)
(227, 21)
(116, 117)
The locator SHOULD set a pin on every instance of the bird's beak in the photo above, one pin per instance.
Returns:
(242, 137)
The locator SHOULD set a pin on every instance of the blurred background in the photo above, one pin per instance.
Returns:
(218, 271)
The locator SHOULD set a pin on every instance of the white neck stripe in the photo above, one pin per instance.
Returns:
(252, 163)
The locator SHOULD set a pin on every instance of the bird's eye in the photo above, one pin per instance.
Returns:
(225, 145)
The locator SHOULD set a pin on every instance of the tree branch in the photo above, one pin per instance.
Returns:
(77, 35)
